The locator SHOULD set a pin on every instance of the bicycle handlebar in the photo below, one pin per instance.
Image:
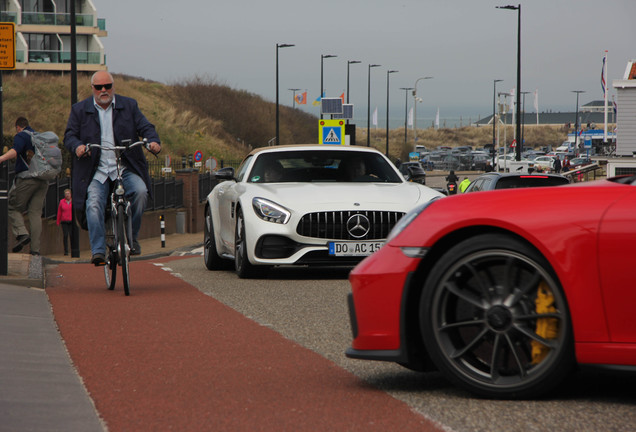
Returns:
(124, 147)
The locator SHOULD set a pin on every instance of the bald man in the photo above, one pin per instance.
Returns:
(107, 118)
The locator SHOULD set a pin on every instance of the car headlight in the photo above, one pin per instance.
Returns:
(270, 211)
(407, 219)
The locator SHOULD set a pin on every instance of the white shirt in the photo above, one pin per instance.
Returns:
(107, 167)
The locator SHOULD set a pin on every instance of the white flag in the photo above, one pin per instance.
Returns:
(375, 117)
(437, 119)
(536, 100)
(410, 121)
(513, 92)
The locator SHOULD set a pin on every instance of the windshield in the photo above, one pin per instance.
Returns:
(322, 166)
(530, 181)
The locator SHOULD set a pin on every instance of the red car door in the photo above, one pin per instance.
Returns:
(617, 266)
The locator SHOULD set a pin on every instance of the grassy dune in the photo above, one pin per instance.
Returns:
(226, 123)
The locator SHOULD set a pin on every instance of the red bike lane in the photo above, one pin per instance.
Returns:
(168, 357)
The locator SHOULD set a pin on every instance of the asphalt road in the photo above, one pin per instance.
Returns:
(309, 307)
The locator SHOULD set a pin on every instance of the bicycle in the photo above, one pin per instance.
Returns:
(119, 239)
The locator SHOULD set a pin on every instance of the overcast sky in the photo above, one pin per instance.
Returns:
(463, 44)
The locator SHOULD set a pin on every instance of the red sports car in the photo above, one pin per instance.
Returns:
(504, 291)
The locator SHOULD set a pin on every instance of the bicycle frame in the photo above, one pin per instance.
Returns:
(118, 252)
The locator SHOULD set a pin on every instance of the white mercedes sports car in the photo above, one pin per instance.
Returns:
(305, 205)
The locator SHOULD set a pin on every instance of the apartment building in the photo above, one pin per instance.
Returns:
(43, 34)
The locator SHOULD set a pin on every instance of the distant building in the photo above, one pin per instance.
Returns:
(43, 34)
(587, 116)
(626, 111)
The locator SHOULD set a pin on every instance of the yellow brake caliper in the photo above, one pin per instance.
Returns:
(547, 328)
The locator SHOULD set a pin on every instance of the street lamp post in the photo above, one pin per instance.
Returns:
(494, 119)
(294, 97)
(523, 119)
(576, 121)
(518, 125)
(350, 62)
(369, 104)
(387, 110)
(322, 87)
(406, 107)
(415, 108)
(277, 110)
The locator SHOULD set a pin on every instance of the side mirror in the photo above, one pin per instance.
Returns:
(226, 173)
(416, 174)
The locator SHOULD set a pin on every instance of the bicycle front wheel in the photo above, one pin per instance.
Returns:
(123, 249)
(110, 269)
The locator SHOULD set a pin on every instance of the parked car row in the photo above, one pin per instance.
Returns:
(458, 159)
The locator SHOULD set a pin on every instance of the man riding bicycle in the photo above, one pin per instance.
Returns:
(108, 119)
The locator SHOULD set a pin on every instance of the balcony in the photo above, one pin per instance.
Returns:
(50, 56)
(50, 18)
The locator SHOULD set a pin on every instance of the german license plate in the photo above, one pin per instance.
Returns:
(348, 249)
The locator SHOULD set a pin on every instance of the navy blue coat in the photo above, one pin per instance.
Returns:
(83, 128)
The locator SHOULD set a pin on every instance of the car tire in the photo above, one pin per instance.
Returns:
(211, 257)
(242, 265)
(494, 319)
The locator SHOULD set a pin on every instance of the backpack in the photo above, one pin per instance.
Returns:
(46, 162)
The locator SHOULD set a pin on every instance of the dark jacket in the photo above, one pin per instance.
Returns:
(83, 128)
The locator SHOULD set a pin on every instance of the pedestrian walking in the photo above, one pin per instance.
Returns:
(26, 193)
(65, 218)
(464, 184)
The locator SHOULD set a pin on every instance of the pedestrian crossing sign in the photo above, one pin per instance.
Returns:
(331, 132)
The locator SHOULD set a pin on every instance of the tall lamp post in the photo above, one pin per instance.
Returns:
(406, 107)
(576, 121)
(494, 119)
(415, 108)
(277, 110)
(523, 118)
(388, 73)
(294, 97)
(369, 104)
(322, 87)
(518, 125)
(350, 62)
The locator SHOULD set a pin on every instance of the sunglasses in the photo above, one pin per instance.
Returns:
(100, 86)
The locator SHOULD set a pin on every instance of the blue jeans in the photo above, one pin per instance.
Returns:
(96, 200)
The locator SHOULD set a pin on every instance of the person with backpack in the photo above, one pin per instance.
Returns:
(107, 118)
(27, 193)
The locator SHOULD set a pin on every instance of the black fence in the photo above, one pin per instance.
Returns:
(167, 192)
(156, 166)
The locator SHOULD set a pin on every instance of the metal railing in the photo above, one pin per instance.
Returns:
(52, 18)
(54, 56)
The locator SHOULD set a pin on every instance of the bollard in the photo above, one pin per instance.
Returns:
(163, 231)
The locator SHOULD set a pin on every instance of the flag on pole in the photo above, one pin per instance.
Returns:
(375, 117)
(318, 100)
(603, 84)
(536, 103)
(342, 97)
(301, 98)
(437, 119)
(410, 121)
(603, 74)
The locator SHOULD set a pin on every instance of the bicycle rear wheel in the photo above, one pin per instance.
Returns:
(123, 249)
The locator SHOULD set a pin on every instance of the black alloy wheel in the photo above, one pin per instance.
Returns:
(495, 320)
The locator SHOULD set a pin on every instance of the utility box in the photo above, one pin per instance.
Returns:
(180, 222)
